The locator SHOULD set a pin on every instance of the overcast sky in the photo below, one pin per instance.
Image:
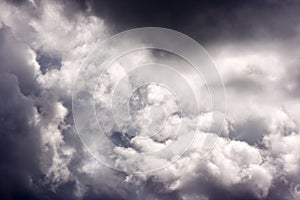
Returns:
(255, 47)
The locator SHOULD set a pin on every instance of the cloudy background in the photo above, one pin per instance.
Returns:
(255, 46)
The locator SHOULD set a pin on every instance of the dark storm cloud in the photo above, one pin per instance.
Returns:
(13, 61)
(32, 134)
(234, 171)
(21, 176)
(19, 142)
(21, 151)
(204, 20)
(48, 61)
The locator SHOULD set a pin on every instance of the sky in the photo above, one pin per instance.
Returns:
(254, 46)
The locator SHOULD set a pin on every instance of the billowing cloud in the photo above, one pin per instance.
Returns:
(43, 43)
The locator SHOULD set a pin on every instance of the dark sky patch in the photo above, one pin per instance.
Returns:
(204, 20)
(48, 61)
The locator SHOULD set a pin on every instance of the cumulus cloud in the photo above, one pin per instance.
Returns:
(42, 44)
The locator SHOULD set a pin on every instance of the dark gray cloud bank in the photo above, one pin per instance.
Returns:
(255, 45)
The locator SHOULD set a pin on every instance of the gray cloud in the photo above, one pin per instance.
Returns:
(42, 44)
(207, 21)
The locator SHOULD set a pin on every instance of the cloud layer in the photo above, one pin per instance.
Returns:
(42, 44)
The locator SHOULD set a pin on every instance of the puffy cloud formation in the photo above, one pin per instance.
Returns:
(42, 44)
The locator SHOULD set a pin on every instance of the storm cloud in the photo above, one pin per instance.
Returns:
(255, 46)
